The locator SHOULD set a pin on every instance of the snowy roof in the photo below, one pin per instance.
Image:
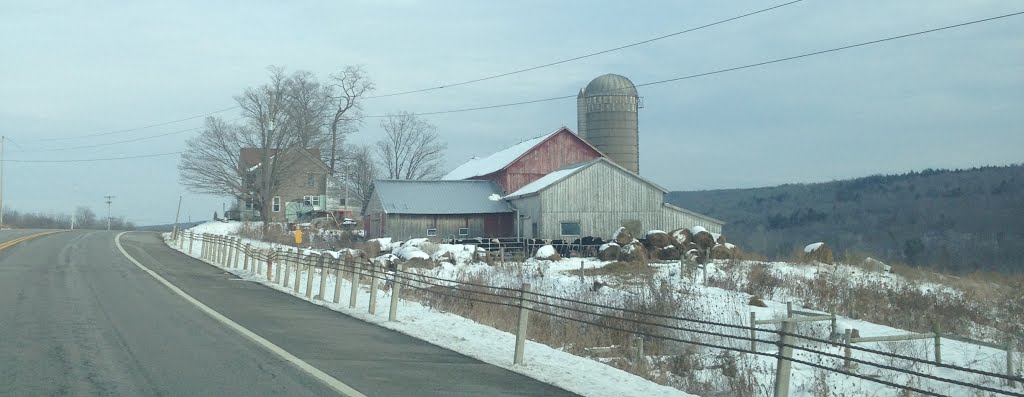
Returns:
(813, 247)
(550, 179)
(438, 197)
(478, 166)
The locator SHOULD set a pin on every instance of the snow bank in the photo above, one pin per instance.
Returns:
(215, 227)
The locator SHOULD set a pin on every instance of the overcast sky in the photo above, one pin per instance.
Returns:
(949, 99)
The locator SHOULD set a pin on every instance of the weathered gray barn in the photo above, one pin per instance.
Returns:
(594, 198)
(408, 209)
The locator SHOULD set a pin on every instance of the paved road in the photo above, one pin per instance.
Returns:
(77, 318)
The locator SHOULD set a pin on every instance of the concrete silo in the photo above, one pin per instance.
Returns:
(607, 118)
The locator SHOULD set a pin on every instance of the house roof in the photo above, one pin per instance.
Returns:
(439, 197)
(479, 166)
(564, 172)
(249, 159)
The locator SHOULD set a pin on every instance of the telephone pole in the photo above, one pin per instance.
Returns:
(110, 199)
(2, 139)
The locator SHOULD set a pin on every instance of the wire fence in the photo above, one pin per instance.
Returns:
(279, 265)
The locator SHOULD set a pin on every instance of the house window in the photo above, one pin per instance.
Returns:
(431, 232)
(310, 180)
(570, 228)
(248, 204)
(463, 231)
(313, 201)
(275, 205)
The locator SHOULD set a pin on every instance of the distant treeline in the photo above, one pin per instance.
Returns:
(958, 220)
(85, 218)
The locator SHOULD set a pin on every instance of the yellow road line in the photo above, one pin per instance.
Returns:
(7, 244)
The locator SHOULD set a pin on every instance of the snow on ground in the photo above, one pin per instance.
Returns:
(591, 377)
(573, 373)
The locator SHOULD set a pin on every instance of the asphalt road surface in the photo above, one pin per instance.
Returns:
(78, 318)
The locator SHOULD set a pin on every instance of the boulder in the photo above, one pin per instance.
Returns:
(756, 301)
(659, 239)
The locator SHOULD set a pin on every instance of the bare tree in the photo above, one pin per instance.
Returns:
(359, 170)
(273, 120)
(344, 92)
(411, 148)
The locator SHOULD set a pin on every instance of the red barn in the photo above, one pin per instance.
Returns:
(527, 161)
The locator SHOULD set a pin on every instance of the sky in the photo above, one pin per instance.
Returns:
(951, 99)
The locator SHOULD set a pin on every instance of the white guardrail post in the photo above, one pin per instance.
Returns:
(396, 289)
(283, 261)
(248, 257)
(191, 238)
(784, 366)
(524, 316)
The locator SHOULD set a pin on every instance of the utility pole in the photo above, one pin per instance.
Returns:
(176, 215)
(2, 139)
(110, 199)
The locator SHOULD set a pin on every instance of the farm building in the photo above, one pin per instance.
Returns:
(527, 161)
(594, 198)
(406, 209)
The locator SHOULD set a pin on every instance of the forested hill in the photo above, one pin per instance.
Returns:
(959, 220)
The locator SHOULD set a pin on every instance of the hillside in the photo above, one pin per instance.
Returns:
(959, 220)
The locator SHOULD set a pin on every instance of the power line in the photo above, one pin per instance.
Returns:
(726, 70)
(137, 128)
(567, 60)
(93, 159)
(122, 141)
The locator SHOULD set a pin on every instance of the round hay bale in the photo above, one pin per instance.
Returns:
(372, 248)
(681, 237)
(721, 251)
(721, 239)
(623, 237)
(633, 252)
(704, 240)
(756, 301)
(659, 239)
(818, 252)
(547, 252)
(608, 252)
(669, 253)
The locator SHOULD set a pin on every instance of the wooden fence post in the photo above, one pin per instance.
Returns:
(355, 285)
(1009, 364)
(248, 257)
(298, 272)
(784, 366)
(238, 253)
(524, 315)
(753, 332)
(191, 238)
(789, 309)
(277, 269)
(229, 244)
(396, 289)
(373, 288)
(847, 351)
(938, 345)
(287, 268)
(337, 281)
(309, 276)
(321, 264)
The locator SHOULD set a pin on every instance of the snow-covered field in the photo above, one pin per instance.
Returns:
(697, 369)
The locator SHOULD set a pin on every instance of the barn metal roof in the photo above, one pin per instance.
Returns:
(440, 197)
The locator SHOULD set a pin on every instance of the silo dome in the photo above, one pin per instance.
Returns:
(610, 84)
(607, 118)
